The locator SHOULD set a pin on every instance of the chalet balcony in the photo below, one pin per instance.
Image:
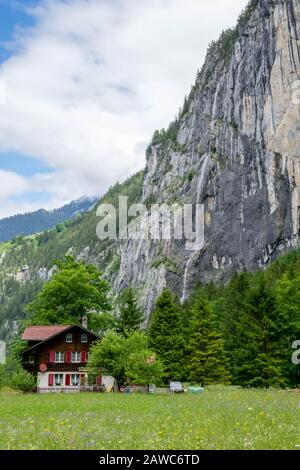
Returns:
(73, 389)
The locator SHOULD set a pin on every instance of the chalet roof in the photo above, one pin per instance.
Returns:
(40, 333)
(53, 333)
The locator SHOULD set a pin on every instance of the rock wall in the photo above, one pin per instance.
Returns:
(237, 152)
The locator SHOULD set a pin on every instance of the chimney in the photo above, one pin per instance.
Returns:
(85, 322)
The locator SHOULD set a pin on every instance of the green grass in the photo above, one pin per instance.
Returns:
(221, 418)
(4, 247)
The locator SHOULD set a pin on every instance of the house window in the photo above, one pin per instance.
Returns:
(75, 379)
(59, 380)
(69, 338)
(59, 357)
(76, 357)
(31, 359)
(84, 338)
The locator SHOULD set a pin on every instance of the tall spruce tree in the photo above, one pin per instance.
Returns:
(232, 324)
(288, 320)
(166, 336)
(131, 316)
(259, 355)
(207, 362)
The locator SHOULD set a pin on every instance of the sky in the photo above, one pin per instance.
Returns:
(84, 84)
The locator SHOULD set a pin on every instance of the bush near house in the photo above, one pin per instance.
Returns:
(23, 381)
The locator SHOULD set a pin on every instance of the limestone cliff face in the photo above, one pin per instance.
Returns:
(237, 152)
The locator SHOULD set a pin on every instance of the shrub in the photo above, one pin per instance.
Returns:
(23, 381)
(2, 381)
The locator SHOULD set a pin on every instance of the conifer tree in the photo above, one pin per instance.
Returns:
(207, 362)
(288, 321)
(259, 356)
(232, 325)
(166, 336)
(131, 316)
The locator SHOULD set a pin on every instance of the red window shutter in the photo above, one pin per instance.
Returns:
(50, 380)
(52, 356)
(99, 380)
(82, 379)
(83, 357)
(68, 357)
(68, 379)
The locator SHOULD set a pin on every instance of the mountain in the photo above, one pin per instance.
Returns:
(233, 148)
(38, 221)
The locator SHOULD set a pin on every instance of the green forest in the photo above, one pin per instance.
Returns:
(240, 334)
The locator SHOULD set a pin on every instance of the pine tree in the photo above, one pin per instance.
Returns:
(232, 325)
(166, 336)
(259, 355)
(185, 108)
(207, 362)
(288, 321)
(131, 316)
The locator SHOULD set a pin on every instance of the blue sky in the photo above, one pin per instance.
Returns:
(68, 125)
(22, 164)
(14, 17)
(13, 14)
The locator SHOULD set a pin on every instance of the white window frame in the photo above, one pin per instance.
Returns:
(85, 335)
(69, 335)
(59, 357)
(61, 380)
(76, 357)
(75, 377)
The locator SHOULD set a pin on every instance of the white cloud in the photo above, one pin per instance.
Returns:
(88, 85)
(11, 184)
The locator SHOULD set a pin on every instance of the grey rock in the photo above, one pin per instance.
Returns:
(240, 158)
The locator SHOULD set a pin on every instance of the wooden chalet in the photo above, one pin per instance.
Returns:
(57, 356)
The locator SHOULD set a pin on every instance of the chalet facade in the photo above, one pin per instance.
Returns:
(57, 356)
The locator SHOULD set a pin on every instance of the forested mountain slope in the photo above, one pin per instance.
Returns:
(27, 262)
(41, 220)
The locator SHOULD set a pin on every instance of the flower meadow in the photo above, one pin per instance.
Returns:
(220, 418)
